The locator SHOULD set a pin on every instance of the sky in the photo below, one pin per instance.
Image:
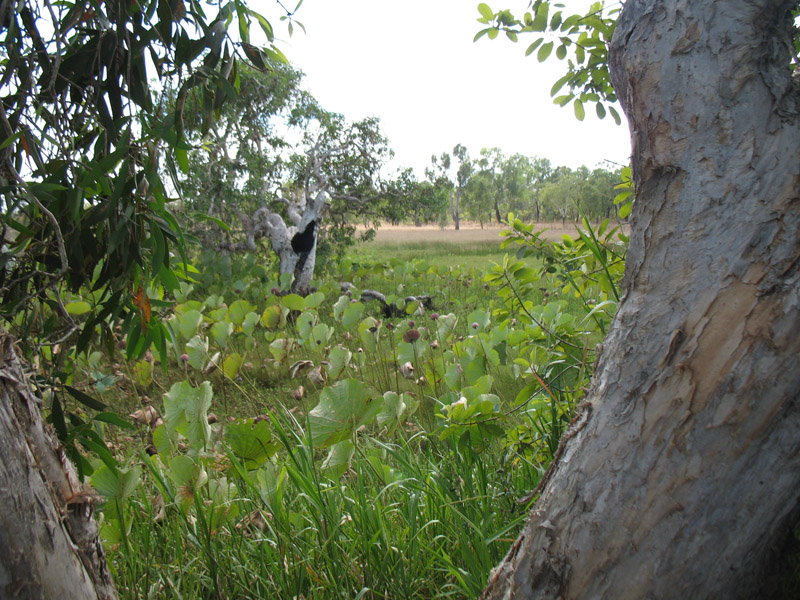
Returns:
(413, 64)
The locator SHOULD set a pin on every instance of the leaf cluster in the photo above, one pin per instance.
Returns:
(84, 204)
(580, 39)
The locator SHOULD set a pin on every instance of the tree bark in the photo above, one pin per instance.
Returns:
(454, 209)
(681, 475)
(49, 544)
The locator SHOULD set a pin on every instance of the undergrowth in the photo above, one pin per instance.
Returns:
(290, 447)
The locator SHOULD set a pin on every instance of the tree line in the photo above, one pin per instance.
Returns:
(486, 187)
(275, 161)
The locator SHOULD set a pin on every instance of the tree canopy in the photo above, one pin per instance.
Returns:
(84, 202)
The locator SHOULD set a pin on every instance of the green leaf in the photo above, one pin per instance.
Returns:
(343, 408)
(563, 100)
(143, 373)
(352, 315)
(540, 21)
(249, 323)
(271, 317)
(338, 360)
(561, 52)
(85, 399)
(475, 370)
(580, 113)
(116, 485)
(232, 364)
(252, 442)
(396, 409)
(485, 11)
(77, 308)
(294, 302)
(600, 110)
(280, 348)
(220, 332)
(544, 51)
(305, 323)
(188, 323)
(238, 311)
(197, 350)
(614, 115)
(338, 459)
(313, 300)
(532, 48)
(114, 419)
(480, 34)
(480, 317)
(186, 411)
(183, 159)
(321, 334)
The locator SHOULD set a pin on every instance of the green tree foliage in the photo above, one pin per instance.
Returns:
(579, 39)
(272, 142)
(574, 195)
(420, 201)
(531, 189)
(83, 200)
(236, 162)
(440, 171)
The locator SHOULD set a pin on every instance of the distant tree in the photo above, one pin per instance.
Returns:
(598, 200)
(285, 169)
(557, 196)
(479, 194)
(237, 161)
(421, 201)
(538, 173)
(515, 177)
(463, 173)
(339, 175)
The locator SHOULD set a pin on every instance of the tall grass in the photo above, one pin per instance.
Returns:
(412, 518)
(413, 514)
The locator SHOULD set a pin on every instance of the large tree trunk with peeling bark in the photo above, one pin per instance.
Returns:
(49, 544)
(681, 477)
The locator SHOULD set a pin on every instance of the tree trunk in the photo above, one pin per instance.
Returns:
(306, 214)
(49, 544)
(497, 213)
(680, 477)
(454, 209)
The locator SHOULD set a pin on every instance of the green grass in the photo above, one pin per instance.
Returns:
(465, 255)
(423, 510)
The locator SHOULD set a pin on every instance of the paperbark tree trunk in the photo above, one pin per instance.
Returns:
(49, 544)
(681, 476)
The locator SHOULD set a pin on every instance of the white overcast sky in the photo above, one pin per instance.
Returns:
(413, 64)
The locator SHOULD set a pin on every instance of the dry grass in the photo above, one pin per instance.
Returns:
(469, 233)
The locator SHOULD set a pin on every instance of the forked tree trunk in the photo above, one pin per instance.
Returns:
(681, 477)
(49, 545)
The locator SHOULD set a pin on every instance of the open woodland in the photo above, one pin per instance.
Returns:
(240, 359)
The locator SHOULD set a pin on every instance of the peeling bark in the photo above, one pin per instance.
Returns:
(49, 543)
(681, 478)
